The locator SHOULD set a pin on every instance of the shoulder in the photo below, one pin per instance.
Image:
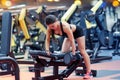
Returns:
(65, 24)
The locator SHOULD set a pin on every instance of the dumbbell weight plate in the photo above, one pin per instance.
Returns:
(68, 58)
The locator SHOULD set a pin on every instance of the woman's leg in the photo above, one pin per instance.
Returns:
(66, 45)
(82, 48)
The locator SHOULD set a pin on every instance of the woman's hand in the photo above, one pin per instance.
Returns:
(48, 52)
(73, 52)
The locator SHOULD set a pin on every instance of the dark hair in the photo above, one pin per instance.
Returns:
(50, 19)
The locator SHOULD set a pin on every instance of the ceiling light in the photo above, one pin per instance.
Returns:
(78, 2)
(56, 0)
(115, 3)
(17, 6)
(1, 10)
(50, 0)
(8, 3)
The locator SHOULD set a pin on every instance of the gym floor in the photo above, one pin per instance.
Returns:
(106, 70)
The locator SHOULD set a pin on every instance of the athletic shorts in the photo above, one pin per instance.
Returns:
(78, 33)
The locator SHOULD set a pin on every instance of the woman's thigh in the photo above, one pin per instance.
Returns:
(81, 44)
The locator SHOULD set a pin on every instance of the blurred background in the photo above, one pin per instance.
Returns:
(99, 19)
(15, 4)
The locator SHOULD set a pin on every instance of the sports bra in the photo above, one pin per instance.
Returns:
(77, 33)
(63, 33)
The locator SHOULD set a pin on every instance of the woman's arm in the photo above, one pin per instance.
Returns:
(47, 40)
(69, 33)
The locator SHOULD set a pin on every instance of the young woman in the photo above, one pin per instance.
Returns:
(71, 33)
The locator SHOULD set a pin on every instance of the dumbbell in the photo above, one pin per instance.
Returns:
(69, 58)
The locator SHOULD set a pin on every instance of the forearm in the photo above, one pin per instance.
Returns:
(47, 40)
(73, 47)
(47, 45)
(71, 38)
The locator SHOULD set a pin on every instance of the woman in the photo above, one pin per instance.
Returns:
(71, 33)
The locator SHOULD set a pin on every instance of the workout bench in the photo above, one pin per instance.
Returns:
(55, 59)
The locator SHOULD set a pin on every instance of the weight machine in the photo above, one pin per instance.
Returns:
(116, 35)
(8, 65)
(96, 44)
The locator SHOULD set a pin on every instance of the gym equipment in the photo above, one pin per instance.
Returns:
(106, 38)
(91, 13)
(7, 64)
(35, 37)
(93, 34)
(34, 16)
(24, 36)
(23, 24)
(70, 11)
(69, 58)
(15, 38)
(116, 35)
(54, 59)
(37, 18)
(6, 34)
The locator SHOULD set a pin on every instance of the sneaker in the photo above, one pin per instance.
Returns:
(88, 76)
